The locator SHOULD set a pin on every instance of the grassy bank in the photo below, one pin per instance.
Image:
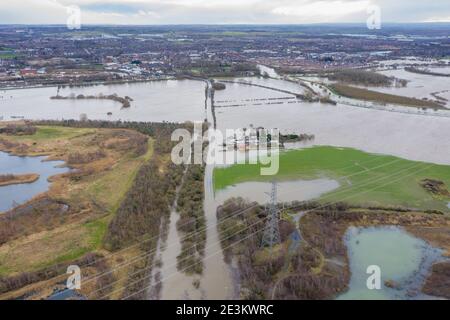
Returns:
(9, 179)
(70, 219)
(366, 179)
(120, 194)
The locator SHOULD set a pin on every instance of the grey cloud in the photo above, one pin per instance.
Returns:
(221, 11)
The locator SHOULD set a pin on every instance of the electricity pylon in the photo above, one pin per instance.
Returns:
(271, 234)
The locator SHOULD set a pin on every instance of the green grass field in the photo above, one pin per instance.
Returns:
(106, 187)
(53, 132)
(7, 56)
(365, 178)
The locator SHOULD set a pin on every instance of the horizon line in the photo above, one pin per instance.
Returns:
(226, 24)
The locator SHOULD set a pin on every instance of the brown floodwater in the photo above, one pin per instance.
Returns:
(410, 136)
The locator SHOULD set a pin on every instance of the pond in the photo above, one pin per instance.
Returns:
(66, 294)
(12, 195)
(403, 259)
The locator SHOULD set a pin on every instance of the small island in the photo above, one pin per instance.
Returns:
(219, 86)
(426, 71)
(125, 101)
(365, 78)
(10, 179)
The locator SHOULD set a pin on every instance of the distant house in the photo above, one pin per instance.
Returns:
(28, 72)
(195, 56)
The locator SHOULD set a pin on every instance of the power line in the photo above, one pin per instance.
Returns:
(147, 254)
(271, 235)
(141, 256)
(402, 176)
(251, 234)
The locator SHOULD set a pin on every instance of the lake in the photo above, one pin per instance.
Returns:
(171, 100)
(12, 195)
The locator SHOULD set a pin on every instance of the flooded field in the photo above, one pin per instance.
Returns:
(16, 194)
(409, 136)
(413, 137)
(404, 262)
(419, 85)
(288, 191)
(172, 100)
(234, 96)
(216, 281)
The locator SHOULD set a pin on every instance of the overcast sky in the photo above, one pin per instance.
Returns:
(221, 11)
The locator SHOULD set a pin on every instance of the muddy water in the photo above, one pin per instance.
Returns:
(287, 190)
(176, 285)
(172, 100)
(408, 61)
(409, 136)
(217, 281)
(218, 278)
(412, 137)
(12, 195)
(402, 258)
(238, 94)
(419, 85)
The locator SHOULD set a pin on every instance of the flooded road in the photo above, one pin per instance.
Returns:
(175, 285)
(217, 281)
(218, 278)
